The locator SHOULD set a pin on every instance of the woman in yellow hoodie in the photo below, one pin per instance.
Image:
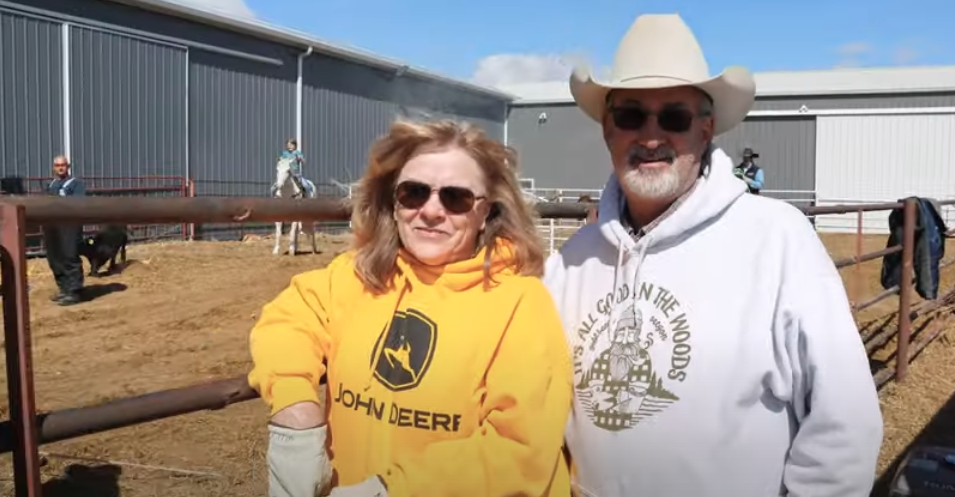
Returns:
(448, 373)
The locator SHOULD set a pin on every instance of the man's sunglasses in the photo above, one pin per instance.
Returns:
(670, 119)
(455, 199)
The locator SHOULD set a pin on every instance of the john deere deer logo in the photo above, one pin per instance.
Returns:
(404, 350)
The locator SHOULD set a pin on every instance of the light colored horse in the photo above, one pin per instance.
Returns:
(287, 187)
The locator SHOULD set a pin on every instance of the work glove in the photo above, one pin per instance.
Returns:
(372, 487)
(298, 461)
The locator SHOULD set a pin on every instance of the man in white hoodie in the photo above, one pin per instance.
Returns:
(715, 352)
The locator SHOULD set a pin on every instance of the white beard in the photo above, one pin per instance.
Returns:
(653, 185)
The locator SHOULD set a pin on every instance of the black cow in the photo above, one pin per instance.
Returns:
(105, 246)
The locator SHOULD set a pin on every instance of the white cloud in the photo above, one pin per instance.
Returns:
(906, 55)
(852, 54)
(236, 8)
(503, 70)
(859, 54)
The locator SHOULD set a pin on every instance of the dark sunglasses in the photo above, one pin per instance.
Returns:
(670, 119)
(455, 199)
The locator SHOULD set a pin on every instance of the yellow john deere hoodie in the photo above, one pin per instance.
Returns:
(441, 387)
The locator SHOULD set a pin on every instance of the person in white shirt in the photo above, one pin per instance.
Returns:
(715, 353)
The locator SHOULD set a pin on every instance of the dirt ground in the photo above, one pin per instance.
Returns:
(180, 313)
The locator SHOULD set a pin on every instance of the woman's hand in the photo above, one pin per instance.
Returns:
(372, 487)
(297, 459)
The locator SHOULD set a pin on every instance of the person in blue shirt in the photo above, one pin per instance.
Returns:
(297, 160)
(749, 172)
(62, 241)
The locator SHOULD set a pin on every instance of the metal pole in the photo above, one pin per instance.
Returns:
(19, 354)
(857, 270)
(910, 211)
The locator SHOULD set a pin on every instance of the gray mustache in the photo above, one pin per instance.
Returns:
(641, 154)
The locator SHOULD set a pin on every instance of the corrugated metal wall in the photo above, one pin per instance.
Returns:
(31, 94)
(127, 105)
(786, 148)
(563, 150)
(241, 114)
(337, 131)
(865, 159)
(346, 107)
(566, 149)
(129, 101)
(885, 101)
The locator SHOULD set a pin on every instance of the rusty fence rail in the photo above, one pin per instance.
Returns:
(907, 312)
(26, 430)
(117, 186)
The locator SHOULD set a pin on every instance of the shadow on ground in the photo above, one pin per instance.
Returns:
(79, 480)
(939, 431)
(97, 290)
(119, 268)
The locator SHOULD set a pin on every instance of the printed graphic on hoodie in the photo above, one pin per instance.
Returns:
(401, 358)
(632, 353)
(404, 350)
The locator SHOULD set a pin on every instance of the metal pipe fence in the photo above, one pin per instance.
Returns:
(26, 430)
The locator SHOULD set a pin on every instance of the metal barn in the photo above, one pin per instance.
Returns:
(833, 137)
(134, 88)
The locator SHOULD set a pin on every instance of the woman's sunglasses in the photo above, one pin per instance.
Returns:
(455, 199)
(670, 119)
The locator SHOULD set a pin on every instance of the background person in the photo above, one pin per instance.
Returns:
(62, 240)
(749, 172)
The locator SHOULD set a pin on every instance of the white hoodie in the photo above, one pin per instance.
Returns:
(715, 357)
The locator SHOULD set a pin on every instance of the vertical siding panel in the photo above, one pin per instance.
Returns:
(786, 148)
(864, 159)
(876, 101)
(129, 99)
(347, 106)
(126, 92)
(241, 113)
(31, 100)
(565, 150)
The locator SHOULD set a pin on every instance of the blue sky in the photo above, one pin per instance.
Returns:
(530, 37)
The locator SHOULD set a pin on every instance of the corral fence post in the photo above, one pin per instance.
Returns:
(19, 350)
(857, 284)
(906, 280)
(553, 233)
(191, 192)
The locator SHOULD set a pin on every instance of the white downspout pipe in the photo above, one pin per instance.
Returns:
(67, 84)
(298, 96)
(507, 117)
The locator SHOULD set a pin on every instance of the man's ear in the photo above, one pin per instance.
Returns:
(707, 128)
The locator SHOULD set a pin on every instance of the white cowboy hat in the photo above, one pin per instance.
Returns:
(660, 51)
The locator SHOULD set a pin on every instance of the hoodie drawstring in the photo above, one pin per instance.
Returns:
(619, 273)
(379, 441)
(401, 293)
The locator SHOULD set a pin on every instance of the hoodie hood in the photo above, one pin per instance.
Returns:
(457, 276)
(713, 194)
